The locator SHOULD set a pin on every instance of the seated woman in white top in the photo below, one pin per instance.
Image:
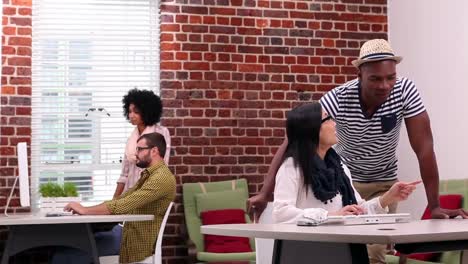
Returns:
(312, 181)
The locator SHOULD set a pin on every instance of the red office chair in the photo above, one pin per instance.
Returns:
(447, 201)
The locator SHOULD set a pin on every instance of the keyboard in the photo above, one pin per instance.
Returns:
(364, 219)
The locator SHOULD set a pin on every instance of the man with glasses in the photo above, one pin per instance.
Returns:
(368, 112)
(152, 194)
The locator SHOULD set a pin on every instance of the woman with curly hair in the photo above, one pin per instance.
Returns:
(143, 109)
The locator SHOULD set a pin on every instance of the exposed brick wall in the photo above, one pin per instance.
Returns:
(230, 71)
(15, 105)
(232, 68)
(15, 97)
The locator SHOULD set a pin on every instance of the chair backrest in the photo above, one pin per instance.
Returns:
(157, 250)
(455, 186)
(447, 201)
(192, 219)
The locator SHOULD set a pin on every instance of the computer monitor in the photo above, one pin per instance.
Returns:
(23, 172)
(23, 176)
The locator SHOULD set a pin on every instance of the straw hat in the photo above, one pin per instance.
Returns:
(376, 50)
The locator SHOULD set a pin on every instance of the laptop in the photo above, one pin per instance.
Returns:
(365, 219)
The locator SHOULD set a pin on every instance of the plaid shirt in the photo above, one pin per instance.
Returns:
(150, 195)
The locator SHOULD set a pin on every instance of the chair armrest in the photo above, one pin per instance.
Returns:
(403, 259)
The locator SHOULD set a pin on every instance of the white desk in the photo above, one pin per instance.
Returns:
(29, 231)
(345, 244)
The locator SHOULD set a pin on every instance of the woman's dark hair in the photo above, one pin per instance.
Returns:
(148, 104)
(303, 130)
(326, 178)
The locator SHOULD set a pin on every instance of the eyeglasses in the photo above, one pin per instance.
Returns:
(327, 118)
(138, 149)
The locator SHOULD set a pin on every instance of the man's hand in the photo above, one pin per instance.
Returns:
(255, 206)
(440, 213)
(399, 191)
(75, 208)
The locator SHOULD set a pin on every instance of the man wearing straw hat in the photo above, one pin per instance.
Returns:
(368, 112)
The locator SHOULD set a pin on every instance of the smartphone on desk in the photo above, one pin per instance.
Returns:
(305, 222)
(57, 214)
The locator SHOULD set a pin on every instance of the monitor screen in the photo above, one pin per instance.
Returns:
(22, 152)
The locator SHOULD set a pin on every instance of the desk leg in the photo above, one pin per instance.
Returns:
(302, 252)
(464, 257)
(23, 237)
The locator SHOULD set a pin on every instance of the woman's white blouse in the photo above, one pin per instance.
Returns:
(291, 202)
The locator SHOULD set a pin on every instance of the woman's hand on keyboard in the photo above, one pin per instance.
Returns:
(352, 209)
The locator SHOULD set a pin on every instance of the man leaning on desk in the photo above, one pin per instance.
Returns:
(152, 194)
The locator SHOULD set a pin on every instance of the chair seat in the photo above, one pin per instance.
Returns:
(390, 259)
(448, 257)
(115, 259)
(219, 257)
(156, 258)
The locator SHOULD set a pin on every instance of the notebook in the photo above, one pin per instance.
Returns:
(364, 219)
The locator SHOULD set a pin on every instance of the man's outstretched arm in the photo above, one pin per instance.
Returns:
(420, 137)
(257, 203)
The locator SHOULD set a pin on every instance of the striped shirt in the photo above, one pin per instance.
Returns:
(152, 194)
(367, 145)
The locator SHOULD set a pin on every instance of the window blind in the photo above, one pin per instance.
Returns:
(87, 54)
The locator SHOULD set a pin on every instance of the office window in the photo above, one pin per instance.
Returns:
(86, 55)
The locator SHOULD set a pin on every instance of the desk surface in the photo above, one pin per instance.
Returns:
(30, 219)
(411, 232)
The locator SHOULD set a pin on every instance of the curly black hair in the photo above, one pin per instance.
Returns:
(148, 103)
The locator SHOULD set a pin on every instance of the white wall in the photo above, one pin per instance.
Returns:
(432, 36)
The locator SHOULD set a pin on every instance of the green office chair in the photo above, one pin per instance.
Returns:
(217, 195)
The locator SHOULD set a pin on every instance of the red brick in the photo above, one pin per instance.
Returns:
(170, 46)
(171, 65)
(21, 61)
(7, 131)
(195, 10)
(21, 3)
(8, 50)
(24, 31)
(23, 111)
(195, 19)
(8, 70)
(24, 51)
(23, 131)
(222, 11)
(9, 30)
(24, 90)
(7, 110)
(20, 21)
(303, 69)
(199, 66)
(25, 11)
(23, 71)
(170, 28)
(20, 80)
(6, 151)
